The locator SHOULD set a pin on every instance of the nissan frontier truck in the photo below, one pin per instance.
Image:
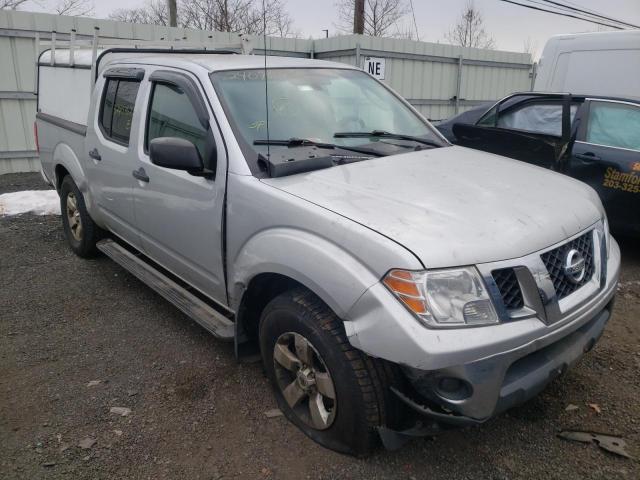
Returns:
(394, 285)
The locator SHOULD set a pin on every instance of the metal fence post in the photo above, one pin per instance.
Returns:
(37, 49)
(458, 84)
(534, 74)
(53, 48)
(72, 41)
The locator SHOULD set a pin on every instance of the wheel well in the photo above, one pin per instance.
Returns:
(61, 172)
(261, 290)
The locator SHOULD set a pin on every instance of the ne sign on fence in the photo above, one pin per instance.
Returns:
(374, 66)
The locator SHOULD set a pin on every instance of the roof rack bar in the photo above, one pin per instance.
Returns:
(94, 55)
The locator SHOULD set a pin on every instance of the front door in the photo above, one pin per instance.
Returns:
(532, 129)
(179, 215)
(606, 155)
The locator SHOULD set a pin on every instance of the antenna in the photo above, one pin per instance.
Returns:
(266, 87)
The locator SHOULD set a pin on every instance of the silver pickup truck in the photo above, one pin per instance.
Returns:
(393, 284)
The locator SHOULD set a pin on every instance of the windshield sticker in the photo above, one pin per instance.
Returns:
(279, 105)
(627, 182)
(258, 125)
(256, 75)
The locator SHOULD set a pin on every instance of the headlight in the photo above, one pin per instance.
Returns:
(454, 297)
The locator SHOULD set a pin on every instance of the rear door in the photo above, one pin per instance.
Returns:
(606, 155)
(180, 215)
(110, 153)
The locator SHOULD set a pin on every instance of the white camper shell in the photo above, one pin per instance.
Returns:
(77, 62)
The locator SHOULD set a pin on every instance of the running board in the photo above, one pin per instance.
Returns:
(216, 323)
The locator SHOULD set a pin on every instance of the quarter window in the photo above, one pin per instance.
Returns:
(117, 109)
(614, 125)
(172, 115)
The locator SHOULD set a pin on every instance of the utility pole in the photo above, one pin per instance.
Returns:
(358, 17)
(173, 13)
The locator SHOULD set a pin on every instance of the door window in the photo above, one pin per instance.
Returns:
(171, 114)
(614, 125)
(543, 118)
(118, 102)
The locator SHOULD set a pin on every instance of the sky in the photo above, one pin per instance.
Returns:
(510, 25)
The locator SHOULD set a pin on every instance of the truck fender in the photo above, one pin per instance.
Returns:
(63, 155)
(322, 266)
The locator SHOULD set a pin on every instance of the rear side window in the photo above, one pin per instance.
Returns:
(117, 109)
(172, 115)
(614, 125)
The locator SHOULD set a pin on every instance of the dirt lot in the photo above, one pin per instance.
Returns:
(196, 413)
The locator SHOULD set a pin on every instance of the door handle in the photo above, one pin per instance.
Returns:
(95, 155)
(141, 175)
(588, 157)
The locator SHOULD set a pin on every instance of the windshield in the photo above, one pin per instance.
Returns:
(315, 104)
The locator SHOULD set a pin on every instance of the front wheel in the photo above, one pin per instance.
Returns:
(334, 393)
(81, 232)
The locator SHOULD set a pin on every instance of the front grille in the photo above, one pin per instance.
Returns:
(555, 259)
(509, 287)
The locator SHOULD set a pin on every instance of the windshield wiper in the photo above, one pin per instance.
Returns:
(304, 142)
(294, 142)
(383, 134)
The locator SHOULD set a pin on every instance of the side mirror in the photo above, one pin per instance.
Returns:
(176, 153)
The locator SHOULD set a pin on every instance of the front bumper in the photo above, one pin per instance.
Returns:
(490, 386)
(475, 373)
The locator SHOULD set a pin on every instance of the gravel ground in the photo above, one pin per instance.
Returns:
(196, 413)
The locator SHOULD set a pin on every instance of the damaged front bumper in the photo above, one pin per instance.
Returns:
(462, 377)
(490, 386)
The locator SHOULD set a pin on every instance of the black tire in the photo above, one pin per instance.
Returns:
(360, 382)
(84, 243)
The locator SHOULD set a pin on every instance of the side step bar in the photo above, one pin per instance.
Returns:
(216, 323)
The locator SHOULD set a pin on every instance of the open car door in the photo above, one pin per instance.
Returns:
(534, 128)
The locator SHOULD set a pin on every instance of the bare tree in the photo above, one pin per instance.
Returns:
(154, 12)
(381, 17)
(11, 4)
(406, 32)
(239, 16)
(469, 31)
(76, 8)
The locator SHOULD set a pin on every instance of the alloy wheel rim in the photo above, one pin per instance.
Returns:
(73, 216)
(304, 380)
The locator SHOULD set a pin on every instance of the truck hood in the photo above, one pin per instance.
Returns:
(453, 206)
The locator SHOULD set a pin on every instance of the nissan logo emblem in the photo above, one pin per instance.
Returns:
(574, 266)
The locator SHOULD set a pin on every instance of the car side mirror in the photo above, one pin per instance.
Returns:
(176, 153)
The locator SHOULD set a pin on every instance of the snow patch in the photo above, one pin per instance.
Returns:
(38, 202)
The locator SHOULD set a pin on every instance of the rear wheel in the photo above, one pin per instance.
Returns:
(334, 393)
(81, 232)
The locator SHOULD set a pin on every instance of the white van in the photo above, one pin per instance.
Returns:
(602, 63)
